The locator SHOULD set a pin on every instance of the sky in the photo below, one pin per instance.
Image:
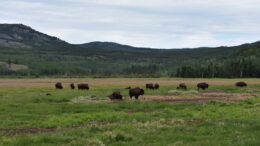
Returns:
(141, 23)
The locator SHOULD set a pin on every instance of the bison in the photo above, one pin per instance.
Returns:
(58, 85)
(149, 86)
(241, 84)
(156, 86)
(115, 96)
(203, 85)
(48, 94)
(182, 86)
(72, 86)
(136, 92)
(83, 86)
(128, 88)
(152, 86)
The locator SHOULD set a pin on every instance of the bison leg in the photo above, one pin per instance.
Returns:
(136, 97)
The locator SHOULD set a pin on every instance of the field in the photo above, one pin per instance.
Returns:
(222, 115)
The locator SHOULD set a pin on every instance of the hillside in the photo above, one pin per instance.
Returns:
(111, 46)
(49, 56)
(243, 62)
(247, 50)
(13, 66)
(21, 36)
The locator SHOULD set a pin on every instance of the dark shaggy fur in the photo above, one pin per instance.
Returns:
(149, 86)
(136, 92)
(156, 86)
(115, 96)
(182, 86)
(241, 84)
(83, 86)
(58, 85)
(72, 86)
(202, 86)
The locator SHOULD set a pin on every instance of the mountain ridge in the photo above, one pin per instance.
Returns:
(47, 55)
(22, 36)
(39, 36)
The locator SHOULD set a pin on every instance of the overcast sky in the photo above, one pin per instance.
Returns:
(142, 23)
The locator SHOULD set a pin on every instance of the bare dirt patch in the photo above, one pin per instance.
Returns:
(121, 81)
(14, 67)
(195, 121)
(201, 97)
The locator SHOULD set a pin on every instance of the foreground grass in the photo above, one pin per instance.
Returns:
(97, 121)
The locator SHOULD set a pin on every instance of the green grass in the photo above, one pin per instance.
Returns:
(212, 123)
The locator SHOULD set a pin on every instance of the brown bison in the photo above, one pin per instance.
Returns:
(48, 94)
(115, 96)
(83, 86)
(149, 86)
(156, 86)
(58, 85)
(203, 85)
(241, 84)
(182, 86)
(128, 88)
(136, 92)
(152, 86)
(72, 86)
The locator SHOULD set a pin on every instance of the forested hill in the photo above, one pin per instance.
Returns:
(44, 55)
(111, 46)
(244, 62)
(21, 36)
(249, 50)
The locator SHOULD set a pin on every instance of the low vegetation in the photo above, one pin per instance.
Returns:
(71, 117)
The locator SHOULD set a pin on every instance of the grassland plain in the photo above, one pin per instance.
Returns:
(72, 117)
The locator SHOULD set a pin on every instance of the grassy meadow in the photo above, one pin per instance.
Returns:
(74, 118)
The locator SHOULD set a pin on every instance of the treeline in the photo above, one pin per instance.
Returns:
(228, 68)
(187, 63)
(99, 71)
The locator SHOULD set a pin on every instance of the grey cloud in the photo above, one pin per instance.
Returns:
(150, 23)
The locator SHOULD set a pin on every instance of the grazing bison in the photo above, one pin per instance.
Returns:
(149, 86)
(136, 92)
(182, 86)
(152, 86)
(83, 86)
(72, 86)
(128, 88)
(115, 96)
(156, 86)
(48, 94)
(241, 84)
(202, 86)
(58, 85)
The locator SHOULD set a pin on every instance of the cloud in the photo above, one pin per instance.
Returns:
(149, 23)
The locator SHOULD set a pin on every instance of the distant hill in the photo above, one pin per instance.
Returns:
(243, 62)
(46, 55)
(247, 50)
(111, 46)
(21, 36)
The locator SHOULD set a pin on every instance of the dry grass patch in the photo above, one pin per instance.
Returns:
(199, 97)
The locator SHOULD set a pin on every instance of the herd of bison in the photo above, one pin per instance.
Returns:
(136, 92)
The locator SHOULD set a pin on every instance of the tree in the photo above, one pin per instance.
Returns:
(9, 61)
